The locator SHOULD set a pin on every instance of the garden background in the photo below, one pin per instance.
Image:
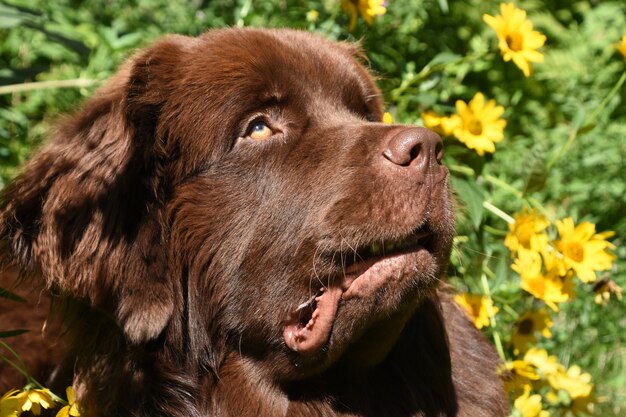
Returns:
(535, 263)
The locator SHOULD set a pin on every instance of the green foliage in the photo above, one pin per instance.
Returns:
(564, 150)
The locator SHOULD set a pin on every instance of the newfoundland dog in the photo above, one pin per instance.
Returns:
(227, 229)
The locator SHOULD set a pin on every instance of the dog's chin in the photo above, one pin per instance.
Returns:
(358, 339)
(358, 318)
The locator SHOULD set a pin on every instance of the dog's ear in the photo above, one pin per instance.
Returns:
(86, 212)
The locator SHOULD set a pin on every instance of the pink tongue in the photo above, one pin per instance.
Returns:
(309, 338)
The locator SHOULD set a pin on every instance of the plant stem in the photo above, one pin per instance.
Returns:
(22, 370)
(587, 122)
(495, 210)
(494, 231)
(43, 85)
(492, 318)
(17, 367)
(608, 97)
(462, 170)
(510, 310)
(14, 353)
(503, 185)
(512, 190)
(426, 72)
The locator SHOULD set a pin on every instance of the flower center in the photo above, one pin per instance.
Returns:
(575, 251)
(524, 235)
(514, 41)
(525, 327)
(475, 127)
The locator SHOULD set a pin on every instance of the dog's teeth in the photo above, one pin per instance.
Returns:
(306, 303)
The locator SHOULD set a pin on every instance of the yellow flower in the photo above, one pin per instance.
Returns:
(526, 328)
(604, 288)
(10, 404)
(517, 374)
(369, 9)
(530, 405)
(574, 382)
(478, 124)
(516, 38)
(71, 409)
(621, 46)
(528, 231)
(577, 407)
(15, 402)
(583, 405)
(583, 250)
(479, 308)
(387, 118)
(551, 287)
(523, 369)
(547, 364)
(312, 15)
(441, 124)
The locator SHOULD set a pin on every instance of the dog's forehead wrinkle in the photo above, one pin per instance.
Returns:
(314, 67)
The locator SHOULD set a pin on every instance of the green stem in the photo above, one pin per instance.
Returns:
(488, 271)
(503, 185)
(608, 98)
(17, 367)
(494, 231)
(43, 85)
(22, 370)
(511, 311)
(512, 190)
(18, 357)
(426, 72)
(495, 210)
(492, 318)
(467, 171)
(587, 122)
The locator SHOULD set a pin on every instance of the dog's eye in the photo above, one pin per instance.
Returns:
(259, 130)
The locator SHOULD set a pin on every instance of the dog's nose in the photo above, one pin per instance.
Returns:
(414, 146)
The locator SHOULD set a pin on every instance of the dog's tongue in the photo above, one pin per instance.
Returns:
(308, 338)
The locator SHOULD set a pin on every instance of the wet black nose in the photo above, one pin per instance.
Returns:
(414, 146)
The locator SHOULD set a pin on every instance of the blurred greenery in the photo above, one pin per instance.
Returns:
(564, 149)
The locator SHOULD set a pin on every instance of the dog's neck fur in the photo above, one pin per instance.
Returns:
(417, 379)
(435, 369)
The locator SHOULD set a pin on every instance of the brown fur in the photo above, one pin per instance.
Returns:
(176, 247)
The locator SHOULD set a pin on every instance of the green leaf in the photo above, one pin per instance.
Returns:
(443, 58)
(12, 333)
(473, 198)
(10, 296)
(127, 41)
(443, 4)
(537, 168)
(10, 17)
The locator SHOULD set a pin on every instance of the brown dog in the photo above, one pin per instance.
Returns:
(227, 229)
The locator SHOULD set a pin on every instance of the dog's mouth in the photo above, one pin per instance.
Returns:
(363, 256)
(365, 271)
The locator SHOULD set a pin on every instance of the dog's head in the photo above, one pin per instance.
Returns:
(238, 192)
